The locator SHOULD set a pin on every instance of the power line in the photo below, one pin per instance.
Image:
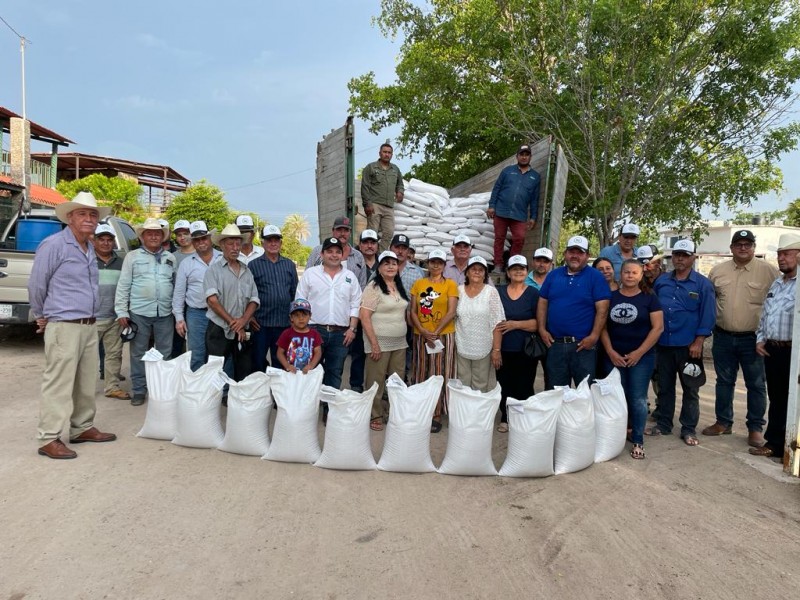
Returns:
(18, 34)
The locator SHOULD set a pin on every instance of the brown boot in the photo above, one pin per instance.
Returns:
(755, 439)
(717, 429)
(57, 449)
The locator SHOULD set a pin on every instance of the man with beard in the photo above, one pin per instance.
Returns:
(624, 248)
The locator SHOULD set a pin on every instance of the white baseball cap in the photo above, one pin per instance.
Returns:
(104, 228)
(386, 254)
(543, 253)
(685, 246)
(630, 229)
(437, 254)
(181, 224)
(479, 260)
(515, 260)
(369, 234)
(462, 239)
(198, 229)
(578, 241)
(244, 222)
(164, 223)
(271, 231)
(644, 253)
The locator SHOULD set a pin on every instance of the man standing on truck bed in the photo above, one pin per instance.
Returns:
(381, 187)
(64, 298)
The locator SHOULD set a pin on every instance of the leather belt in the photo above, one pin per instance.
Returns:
(780, 343)
(330, 328)
(565, 340)
(86, 321)
(735, 333)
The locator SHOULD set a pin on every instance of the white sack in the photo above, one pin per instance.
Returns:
(610, 417)
(407, 445)
(199, 401)
(347, 444)
(488, 256)
(440, 236)
(249, 407)
(531, 434)
(469, 441)
(163, 386)
(294, 438)
(575, 434)
(420, 186)
(418, 198)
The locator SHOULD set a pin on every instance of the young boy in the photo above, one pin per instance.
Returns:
(299, 346)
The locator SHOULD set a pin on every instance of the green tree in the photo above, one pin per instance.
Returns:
(662, 108)
(793, 213)
(295, 231)
(201, 201)
(296, 226)
(121, 194)
(746, 218)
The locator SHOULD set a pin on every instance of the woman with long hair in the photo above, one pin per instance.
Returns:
(384, 304)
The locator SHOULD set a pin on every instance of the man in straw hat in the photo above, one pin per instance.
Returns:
(232, 298)
(64, 293)
(144, 296)
(774, 343)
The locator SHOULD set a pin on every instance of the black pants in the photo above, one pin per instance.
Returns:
(515, 378)
(239, 352)
(777, 367)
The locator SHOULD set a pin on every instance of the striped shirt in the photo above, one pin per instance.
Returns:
(64, 280)
(189, 288)
(276, 283)
(109, 276)
(778, 312)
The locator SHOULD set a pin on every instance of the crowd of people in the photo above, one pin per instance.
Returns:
(219, 293)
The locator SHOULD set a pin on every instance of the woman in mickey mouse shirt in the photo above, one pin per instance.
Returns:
(433, 307)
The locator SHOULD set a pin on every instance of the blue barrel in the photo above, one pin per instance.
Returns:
(30, 232)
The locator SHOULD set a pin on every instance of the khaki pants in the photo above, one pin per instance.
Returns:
(378, 371)
(476, 374)
(382, 221)
(108, 333)
(68, 381)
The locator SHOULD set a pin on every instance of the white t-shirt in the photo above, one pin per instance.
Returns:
(476, 319)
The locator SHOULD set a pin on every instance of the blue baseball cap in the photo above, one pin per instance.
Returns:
(300, 304)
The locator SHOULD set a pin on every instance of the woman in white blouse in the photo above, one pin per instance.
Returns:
(478, 312)
(383, 317)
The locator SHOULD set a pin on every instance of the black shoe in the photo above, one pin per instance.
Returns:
(436, 426)
(137, 400)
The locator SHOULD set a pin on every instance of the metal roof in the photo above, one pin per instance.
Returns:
(37, 131)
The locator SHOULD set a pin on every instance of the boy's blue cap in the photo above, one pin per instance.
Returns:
(300, 304)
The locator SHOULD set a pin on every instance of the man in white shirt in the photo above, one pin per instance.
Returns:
(249, 250)
(335, 296)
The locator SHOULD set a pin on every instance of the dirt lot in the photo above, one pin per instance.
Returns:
(145, 519)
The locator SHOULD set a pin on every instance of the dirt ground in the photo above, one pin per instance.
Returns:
(145, 519)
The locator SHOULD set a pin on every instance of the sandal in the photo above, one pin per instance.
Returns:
(653, 431)
(637, 451)
(502, 428)
(376, 424)
(436, 426)
(690, 440)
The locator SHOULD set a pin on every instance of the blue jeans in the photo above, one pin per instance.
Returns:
(636, 381)
(161, 329)
(565, 364)
(670, 360)
(357, 358)
(334, 353)
(730, 351)
(265, 341)
(196, 324)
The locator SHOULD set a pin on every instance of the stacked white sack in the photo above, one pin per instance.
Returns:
(431, 219)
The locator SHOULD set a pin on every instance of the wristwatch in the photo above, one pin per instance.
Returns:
(353, 329)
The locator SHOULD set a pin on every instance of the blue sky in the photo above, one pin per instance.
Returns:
(236, 93)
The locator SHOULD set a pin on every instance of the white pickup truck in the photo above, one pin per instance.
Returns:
(17, 249)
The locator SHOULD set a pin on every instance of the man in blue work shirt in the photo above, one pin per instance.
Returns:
(514, 205)
(687, 298)
(572, 311)
(624, 249)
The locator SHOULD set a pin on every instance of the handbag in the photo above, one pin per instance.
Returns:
(534, 346)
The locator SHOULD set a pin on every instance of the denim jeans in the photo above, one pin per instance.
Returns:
(636, 381)
(334, 353)
(265, 341)
(196, 325)
(357, 358)
(730, 351)
(565, 364)
(670, 360)
(161, 329)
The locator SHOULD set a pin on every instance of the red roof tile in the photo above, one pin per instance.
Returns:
(41, 194)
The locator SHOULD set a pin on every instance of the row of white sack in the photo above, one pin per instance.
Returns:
(558, 431)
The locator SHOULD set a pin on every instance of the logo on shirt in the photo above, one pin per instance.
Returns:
(624, 313)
